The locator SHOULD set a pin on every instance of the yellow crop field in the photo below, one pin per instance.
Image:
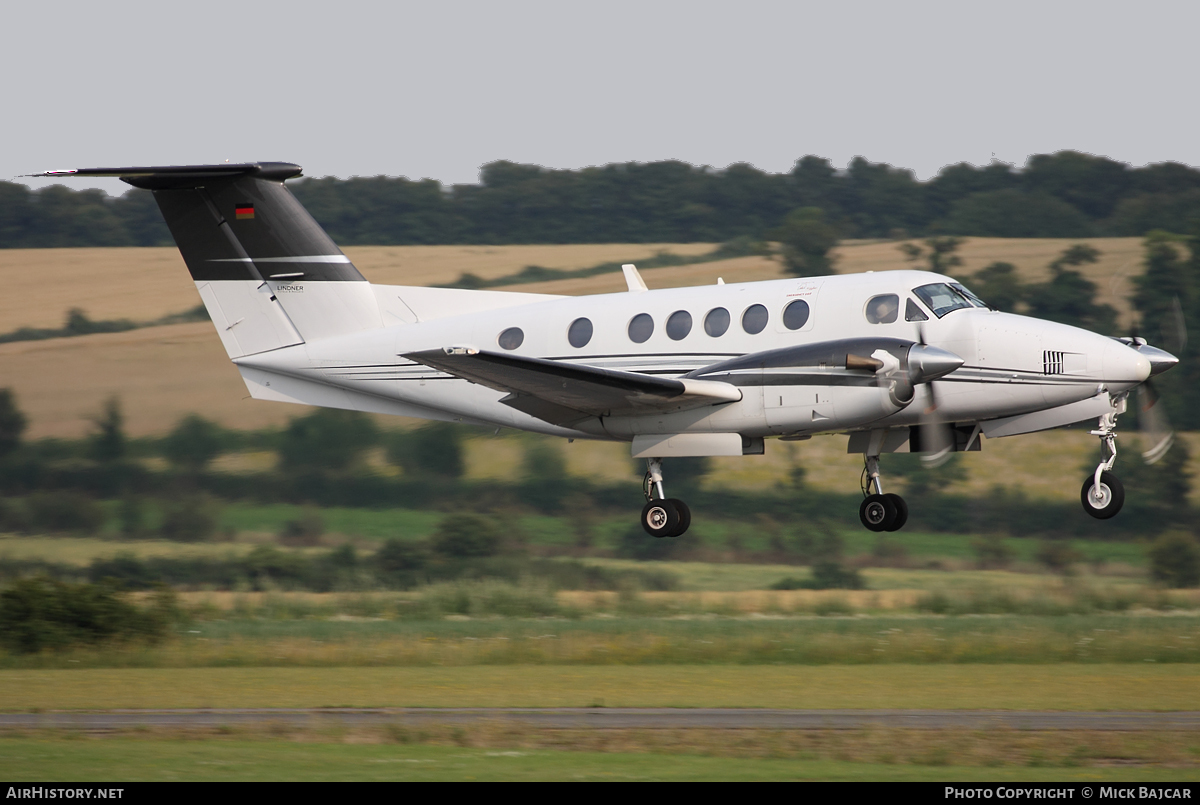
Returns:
(145, 284)
(160, 374)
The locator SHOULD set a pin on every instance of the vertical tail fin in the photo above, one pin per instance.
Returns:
(268, 274)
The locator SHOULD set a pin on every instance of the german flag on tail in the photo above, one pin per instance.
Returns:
(244, 212)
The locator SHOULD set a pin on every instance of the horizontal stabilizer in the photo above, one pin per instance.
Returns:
(163, 177)
(562, 393)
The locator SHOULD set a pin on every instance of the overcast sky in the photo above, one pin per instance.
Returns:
(437, 89)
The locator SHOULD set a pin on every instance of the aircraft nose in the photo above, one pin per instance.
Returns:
(1124, 366)
(1160, 359)
(927, 363)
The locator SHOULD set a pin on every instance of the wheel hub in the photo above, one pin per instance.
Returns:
(876, 512)
(1100, 496)
(657, 517)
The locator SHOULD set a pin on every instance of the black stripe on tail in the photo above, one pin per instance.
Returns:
(238, 222)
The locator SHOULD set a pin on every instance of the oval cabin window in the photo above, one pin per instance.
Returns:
(716, 322)
(641, 327)
(579, 333)
(511, 338)
(679, 325)
(754, 320)
(795, 315)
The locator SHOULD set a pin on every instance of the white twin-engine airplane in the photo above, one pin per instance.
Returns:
(899, 360)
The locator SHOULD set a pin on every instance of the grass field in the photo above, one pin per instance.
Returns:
(298, 634)
(367, 528)
(396, 755)
(1131, 686)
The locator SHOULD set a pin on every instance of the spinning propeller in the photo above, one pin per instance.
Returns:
(1152, 417)
(937, 437)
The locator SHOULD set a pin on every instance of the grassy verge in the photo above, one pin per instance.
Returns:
(460, 754)
(456, 642)
(368, 528)
(1131, 686)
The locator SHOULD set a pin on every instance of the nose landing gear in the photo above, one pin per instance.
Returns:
(662, 516)
(1102, 494)
(880, 512)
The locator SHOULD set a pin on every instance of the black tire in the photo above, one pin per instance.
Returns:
(685, 517)
(877, 513)
(660, 518)
(1110, 499)
(901, 511)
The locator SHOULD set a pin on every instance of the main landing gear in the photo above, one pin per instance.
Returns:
(880, 512)
(1102, 494)
(662, 516)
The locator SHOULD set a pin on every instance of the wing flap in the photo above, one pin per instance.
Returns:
(562, 392)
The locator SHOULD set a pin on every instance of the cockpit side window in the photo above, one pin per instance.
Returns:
(913, 312)
(882, 309)
(941, 298)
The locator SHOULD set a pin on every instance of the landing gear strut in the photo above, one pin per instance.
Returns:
(662, 516)
(880, 512)
(1102, 494)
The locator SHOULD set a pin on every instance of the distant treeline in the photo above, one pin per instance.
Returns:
(1065, 195)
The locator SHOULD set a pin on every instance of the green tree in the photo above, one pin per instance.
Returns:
(193, 443)
(543, 462)
(1011, 213)
(1069, 297)
(805, 239)
(1167, 298)
(999, 285)
(108, 442)
(435, 449)
(327, 439)
(940, 256)
(12, 422)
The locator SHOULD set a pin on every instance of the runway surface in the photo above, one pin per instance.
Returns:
(617, 718)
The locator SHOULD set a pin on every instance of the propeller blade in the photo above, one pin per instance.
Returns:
(1174, 328)
(927, 363)
(1153, 422)
(937, 439)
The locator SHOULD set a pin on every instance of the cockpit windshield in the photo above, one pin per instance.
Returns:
(942, 297)
(965, 291)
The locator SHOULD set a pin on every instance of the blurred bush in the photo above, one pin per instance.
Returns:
(304, 530)
(326, 440)
(466, 536)
(191, 518)
(635, 543)
(12, 422)
(826, 575)
(1057, 555)
(63, 510)
(193, 443)
(1175, 560)
(433, 450)
(41, 614)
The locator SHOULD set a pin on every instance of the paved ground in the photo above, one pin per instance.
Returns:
(621, 718)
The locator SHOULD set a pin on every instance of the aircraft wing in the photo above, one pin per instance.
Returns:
(563, 393)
